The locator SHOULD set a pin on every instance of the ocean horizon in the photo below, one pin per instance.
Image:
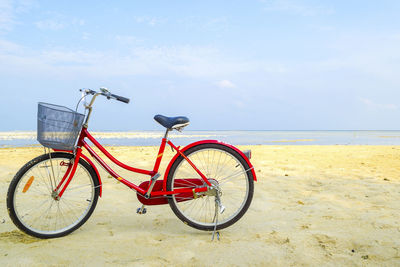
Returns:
(235, 137)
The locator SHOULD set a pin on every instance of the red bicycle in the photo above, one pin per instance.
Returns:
(208, 184)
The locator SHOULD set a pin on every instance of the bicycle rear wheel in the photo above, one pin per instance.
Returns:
(226, 170)
(31, 199)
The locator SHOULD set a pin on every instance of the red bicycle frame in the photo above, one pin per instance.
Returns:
(78, 154)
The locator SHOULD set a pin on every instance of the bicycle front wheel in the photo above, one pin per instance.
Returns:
(32, 202)
(227, 170)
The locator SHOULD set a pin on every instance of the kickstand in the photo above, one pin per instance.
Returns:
(216, 222)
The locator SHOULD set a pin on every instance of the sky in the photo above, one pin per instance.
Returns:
(227, 65)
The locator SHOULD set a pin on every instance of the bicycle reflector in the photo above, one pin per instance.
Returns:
(247, 153)
(28, 184)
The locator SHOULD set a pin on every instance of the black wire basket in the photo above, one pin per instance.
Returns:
(58, 126)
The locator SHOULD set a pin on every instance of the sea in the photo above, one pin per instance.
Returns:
(153, 138)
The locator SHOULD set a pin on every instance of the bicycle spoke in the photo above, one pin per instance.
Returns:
(220, 167)
(224, 180)
(41, 215)
(36, 208)
(41, 179)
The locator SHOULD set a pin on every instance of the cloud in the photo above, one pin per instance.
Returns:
(205, 62)
(373, 55)
(215, 24)
(7, 47)
(296, 7)
(86, 36)
(6, 15)
(23, 6)
(323, 28)
(50, 24)
(395, 36)
(226, 84)
(372, 104)
(194, 62)
(78, 22)
(151, 21)
(181, 60)
(59, 23)
(128, 40)
(205, 23)
(9, 10)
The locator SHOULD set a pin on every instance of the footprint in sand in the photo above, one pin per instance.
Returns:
(275, 237)
(18, 237)
(305, 226)
(108, 227)
(327, 243)
(157, 239)
(158, 222)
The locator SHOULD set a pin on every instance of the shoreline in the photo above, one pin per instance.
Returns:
(153, 138)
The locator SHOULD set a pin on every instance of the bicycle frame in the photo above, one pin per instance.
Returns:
(227, 177)
(78, 154)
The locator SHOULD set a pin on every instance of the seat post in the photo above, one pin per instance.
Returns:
(166, 133)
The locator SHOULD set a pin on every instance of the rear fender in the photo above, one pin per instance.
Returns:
(91, 164)
(207, 142)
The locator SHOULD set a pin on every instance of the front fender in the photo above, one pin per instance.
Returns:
(207, 142)
(91, 164)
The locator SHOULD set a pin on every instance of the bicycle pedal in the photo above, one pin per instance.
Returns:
(141, 210)
(221, 209)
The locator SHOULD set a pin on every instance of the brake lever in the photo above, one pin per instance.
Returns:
(88, 91)
(105, 92)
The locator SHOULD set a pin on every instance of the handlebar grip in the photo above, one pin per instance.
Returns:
(120, 98)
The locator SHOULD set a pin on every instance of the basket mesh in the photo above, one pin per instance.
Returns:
(58, 126)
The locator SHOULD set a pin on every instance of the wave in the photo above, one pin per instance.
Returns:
(107, 135)
(17, 135)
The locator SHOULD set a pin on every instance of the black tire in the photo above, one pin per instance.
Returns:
(211, 170)
(37, 192)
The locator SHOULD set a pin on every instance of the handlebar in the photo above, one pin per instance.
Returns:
(106, 93)
(103, 92)
(120, 98)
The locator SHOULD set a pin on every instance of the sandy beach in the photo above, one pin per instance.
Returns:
(312, 206)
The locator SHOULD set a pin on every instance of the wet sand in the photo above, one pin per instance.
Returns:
(313, 206)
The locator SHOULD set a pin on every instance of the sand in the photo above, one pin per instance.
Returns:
(313, 206)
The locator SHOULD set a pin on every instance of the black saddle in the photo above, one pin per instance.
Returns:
(172, 122)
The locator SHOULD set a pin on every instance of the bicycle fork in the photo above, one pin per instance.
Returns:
(63, 184)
